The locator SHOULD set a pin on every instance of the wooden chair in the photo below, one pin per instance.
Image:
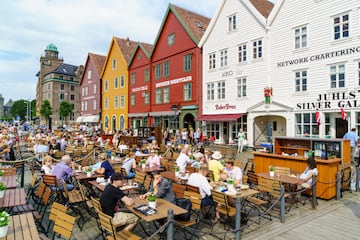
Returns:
(244, 179)
(178, 189)
(282, 170)
(117, 167)
(147, 182)
(77, 153)
(54, 184)
(210, 176)
(124, 235)
(84, 162)
(238, 164)
(252, 179)
(191, 188)
(222, 207)
(8, 171)
(55, 209)
(58, 154)
(249, 166)
(64, 225)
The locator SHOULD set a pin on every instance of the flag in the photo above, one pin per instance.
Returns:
(317, 117)
(343, 114)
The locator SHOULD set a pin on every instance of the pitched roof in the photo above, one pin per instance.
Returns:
(127, 47)
(263, 6)
(66, 69)
(196, 23)
(147, 48)
(98, 60)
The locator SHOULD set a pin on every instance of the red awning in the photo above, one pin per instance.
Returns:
(220, 117)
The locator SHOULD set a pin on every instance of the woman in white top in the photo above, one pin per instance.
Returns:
(47, 165)
(241, 138)
(309, 172)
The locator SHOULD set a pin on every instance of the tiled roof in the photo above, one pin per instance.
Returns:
(127, 47)
(263, 6)
(147, 47)
(98, 60)
(66, 69)
(196, 23)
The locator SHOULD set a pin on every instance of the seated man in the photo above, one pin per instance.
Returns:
(231, 171)
(109, 199)
(129, 163)
(105, 167)
(63, 170)
(183, 158)
(161, 187)
(199, 180)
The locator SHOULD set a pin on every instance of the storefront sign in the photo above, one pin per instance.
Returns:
(334, 100)
(138, 89)
(318, 57)
(174, 81)
(227, 74)
(225, 106)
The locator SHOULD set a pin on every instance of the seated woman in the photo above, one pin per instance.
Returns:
(308, 173)
(153, 160)
(161, 188)
(47, 166)
(154, 145)
(129, 163)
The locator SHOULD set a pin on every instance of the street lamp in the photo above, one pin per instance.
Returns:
(174, 108)
(28, 110)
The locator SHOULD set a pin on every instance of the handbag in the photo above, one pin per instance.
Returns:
(185, 204)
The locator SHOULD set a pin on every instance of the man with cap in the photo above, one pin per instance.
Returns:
(215, 166)
(105, 167)
(109, 200)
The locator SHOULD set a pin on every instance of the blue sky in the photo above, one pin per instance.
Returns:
(76, 27)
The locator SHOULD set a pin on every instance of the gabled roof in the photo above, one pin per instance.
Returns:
(193, 23)
(146, 48)
(65, 69)
(260, 9)
(98, 61)
(127, 47)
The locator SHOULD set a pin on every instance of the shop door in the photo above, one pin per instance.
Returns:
(226, 132)
(341, 127)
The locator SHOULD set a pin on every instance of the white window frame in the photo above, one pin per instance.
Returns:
(232, 24)
(212, 60)
(157, 71)
(187, 91)
(337, 77)
(94, 104)
(132, 100)
(94, 88)
(301, 80)
(257, 49)
(106, 85)
(114, 64)
(242, 53)
(221, 87)
(147, 98)
(86, 91)
(171, 39)
(85, 106)
(82, 106)
(166, 69)
(89, 74)
(158, 96)
(133, 78)
(166, 94)
(343, 25)
(147, 75)
(122, 81)
(306, 125)
(106, 103)
(116, 102)
(223, 58)
(83, 92)
(241, 87)
(122, 101)
(300, 37)
(116, 82)
(210, 91)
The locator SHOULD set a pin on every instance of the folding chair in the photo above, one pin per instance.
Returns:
(178, 189)
(64, 225)
(223, 208)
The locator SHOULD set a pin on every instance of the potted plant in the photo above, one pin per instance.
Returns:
(113, 156)
(1, 175)
(230, 182)
(143, 163)
(272, 170)
(2, 189)
(4, 223)
(152, 201)
(177, 171)
(88, 171)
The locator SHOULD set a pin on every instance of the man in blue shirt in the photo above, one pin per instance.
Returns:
(105, 167)
(351, 135)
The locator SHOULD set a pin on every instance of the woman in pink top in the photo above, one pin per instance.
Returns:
(153, 160)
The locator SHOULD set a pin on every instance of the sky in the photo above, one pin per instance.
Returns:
(76, 27)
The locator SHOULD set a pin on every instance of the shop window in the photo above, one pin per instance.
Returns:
(306, 125)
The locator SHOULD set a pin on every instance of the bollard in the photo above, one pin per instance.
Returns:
(282, 204)
(357, 178)
(338, 186)
(170, 230)
(22, 174)
(314, 200)
(238, 219)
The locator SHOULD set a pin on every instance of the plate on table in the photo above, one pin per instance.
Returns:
(78, 171)
(244, 187)
(100, 180)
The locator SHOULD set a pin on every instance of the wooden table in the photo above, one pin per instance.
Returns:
(22, 227)
(83, 176)
(101, 187)
(171, 176)
(244, 193)
(10, 181)
(13, 197)
(282, 178)
(162, 207)
(148, 169)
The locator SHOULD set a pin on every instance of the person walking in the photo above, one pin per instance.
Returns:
(241, 139)
(351, 135)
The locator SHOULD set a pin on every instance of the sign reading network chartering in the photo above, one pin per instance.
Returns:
(318, 57)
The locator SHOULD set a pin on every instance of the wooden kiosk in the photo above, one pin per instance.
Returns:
(330, 155)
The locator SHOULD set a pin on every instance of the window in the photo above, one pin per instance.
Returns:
(187, 62)
(147, 98)
(62, 87)
(147, 75)
(241, 123)
(241, 87)
(114, 64)
(132, 99)
(122, 122)
(48, 86)
(358, 73)
(116, 82)
(257, 49)
(187, 91)
(300, 37)
(86, 91)
(122, 81)
(213, 129)
(83, 92)
(158, 96)
(49, 96)
(171, 39)
(166, 69)
(232, 23)
(62, 96)
(116, 102)
(72, 116)
(337, 76)
(166, 93)
(212, 61)
(72, 88)
(89, 74)
(122, 101)
(106, 103)
(85, 105)
(106, 122)
(157, 71)
(106, 85)
(223, 58)
(306, 125)
(94, 88)
(357, 122)
(72, 97)
(301, 81)
(341, 26)
(132, 78)
(94, 104)
(221, 90)
(210, 91)
(82, 106)
(113, 123)
(242, 53)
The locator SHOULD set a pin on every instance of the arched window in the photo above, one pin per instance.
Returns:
(113, 122)
(106, 122)
(122, 122)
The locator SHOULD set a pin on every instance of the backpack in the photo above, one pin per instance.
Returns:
(185, 204)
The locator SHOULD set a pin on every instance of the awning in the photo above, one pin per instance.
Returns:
(137, 114)
(91, 119)
(220, 117)
(80, 119)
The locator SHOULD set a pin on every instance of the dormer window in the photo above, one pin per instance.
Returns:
(171, 39)
(232, 23)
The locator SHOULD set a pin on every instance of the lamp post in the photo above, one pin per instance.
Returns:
(28, 110)
(174, 108)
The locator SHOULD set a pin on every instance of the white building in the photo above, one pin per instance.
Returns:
(310, 59)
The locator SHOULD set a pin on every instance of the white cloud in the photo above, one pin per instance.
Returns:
(76, 27)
